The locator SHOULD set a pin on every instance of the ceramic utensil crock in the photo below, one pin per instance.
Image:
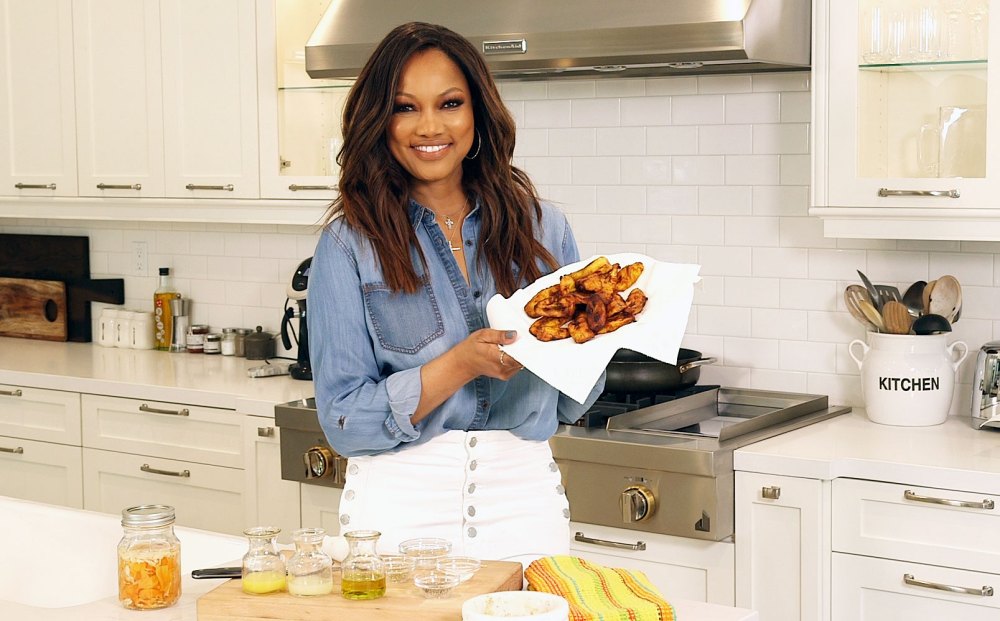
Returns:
(908, 380)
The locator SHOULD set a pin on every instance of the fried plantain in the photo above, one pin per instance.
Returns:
(636, 301)
(596, 313)
(616, 321)
(600, 264)
(627, 275)
(579, 330)
(548, 329)
(546, 295)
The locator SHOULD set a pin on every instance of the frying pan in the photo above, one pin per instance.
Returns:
(632, 372)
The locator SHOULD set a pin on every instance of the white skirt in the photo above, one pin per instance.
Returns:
(492, 494)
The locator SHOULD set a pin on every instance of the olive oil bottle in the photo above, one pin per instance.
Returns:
(162, 319)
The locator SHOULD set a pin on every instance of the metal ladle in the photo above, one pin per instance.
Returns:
(931, 324)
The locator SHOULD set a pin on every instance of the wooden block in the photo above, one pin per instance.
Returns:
(228, 602)
(34, 309)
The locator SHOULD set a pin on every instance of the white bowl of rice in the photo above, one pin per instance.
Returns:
(515, 606)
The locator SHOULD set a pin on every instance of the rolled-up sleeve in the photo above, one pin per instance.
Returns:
(361, 412)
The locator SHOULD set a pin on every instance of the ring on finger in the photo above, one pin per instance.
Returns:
(503, 358)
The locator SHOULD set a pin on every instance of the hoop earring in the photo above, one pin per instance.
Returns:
(479, 145)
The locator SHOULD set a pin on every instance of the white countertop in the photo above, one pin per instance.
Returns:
(194, 379)
(952, 455)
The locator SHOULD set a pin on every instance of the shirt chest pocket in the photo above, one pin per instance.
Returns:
(403, 322)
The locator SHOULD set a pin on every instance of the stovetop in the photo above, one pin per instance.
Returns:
(612, 404)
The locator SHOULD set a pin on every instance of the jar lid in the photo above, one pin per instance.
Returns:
(243, 331)
(198, 328)
(213, 337)
(259, 335)
(229, 330)
(148, 516)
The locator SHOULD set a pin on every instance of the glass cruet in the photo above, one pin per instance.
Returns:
(362, 572)
(310, 570)
(263, 568)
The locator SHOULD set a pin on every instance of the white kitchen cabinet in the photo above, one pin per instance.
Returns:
(41, 471)
(782, 529)
(209, 98)
(40, 414)
(205, 496)
(680, 567)
(300, 118)
(321, 508)
(119, 98)
(905, 143)
(271, 501)
(37, 120)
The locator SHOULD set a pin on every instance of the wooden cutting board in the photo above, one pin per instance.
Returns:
(34, 309)
(228, 602)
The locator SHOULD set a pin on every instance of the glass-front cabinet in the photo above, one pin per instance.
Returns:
(906, 134)
(300, 116)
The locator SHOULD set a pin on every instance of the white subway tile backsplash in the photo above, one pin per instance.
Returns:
(278, 246)
(715, 84)
(724, 200)
(795, 107)
(698, 169)
(803, 233)
(778, 323)
(807, 356)
(107, 240)
(672, 199)
(645, 229)
(549, 170)
(836, 264)
(699, 230)
(673, 253)
(675, 140)
(752, 108)
(709, 291)
(685, 85)
(896, 266)
(780, 200)
(597, 228)
(795, 169)
(752, 292)
(596, 170)
(792, 81)
(781, 262)
(625, 87)
(645, 111)
(787, 381)
(533, 142)
(514, 89)
(225, 268)
(646, 170)
(784, 138)
(810, 294)
(751, 231)
(725, 139)
(621, 199)
(970, 268)
(576, 142)
(698, 110)
(833, 327)
(621, 141)
(595, 112)
(572, 89)
(573, 198)
(544, 113)
(752, 170)
(724, 320)
(724, 260)
(750, 352)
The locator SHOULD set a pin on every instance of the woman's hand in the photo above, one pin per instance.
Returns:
(481, 354)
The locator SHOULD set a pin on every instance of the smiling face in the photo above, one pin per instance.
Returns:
(432, 126)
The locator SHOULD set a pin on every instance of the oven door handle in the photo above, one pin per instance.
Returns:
(638, 545)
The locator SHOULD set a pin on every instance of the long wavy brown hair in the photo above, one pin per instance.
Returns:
(375, 188)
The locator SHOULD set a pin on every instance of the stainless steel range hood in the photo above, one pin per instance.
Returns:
(541, 39)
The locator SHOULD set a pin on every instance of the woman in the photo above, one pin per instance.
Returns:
(447, 436)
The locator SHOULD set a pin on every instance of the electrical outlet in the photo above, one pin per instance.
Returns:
(140, 254)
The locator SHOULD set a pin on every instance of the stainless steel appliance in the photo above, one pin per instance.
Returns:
(652, 463)
(528, 39)
(986, 387)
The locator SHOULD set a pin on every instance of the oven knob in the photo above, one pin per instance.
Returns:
(319, 462)
(637, 503)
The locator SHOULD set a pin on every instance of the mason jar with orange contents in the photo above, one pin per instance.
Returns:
(149, 558)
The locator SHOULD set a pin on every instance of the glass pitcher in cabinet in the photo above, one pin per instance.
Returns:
(904, 107)
(300, 116)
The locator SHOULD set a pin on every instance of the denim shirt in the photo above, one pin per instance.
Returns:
(368, 344)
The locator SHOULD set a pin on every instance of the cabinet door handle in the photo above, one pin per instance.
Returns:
(638, 545)
(184, 474)
(883, 192)
(295, 187)
(970, 504)
(985, 591)
(17, 450)
(35, 186)
(772, 492)
(120, 186)
(182, 412)
(228, 187)
(11, 393)
(265, 432)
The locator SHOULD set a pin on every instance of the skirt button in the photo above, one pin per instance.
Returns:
(553, 467)
(566, 513)
(353, 469)
(345, 519)
(473, 465)
(471, 511)
(473, 441)
(472, 487)
(349, 494)
(472, 531)
(560, 490)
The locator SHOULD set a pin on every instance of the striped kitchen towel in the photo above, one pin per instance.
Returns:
(599, 593)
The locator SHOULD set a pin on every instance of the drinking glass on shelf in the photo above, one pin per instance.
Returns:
(873, 37)
(954, 11)
(924, 31)
(979, 11)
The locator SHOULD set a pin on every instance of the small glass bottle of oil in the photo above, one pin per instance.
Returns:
(162, 319)
(362, 571)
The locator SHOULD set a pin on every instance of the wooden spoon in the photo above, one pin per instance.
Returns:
(853, 296)
(896, 317)
(946, 298)
(926, 295)
(872, 315)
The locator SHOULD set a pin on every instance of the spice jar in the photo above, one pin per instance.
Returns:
(229, 341)
(149, 558)
(195, 340)
(213, 344)
(310, 570)
(362, 571)
(263, 569)
(241, 342)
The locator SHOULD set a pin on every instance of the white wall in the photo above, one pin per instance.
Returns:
(712, 170)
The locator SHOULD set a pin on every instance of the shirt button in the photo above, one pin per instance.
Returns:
(566, 513)
(471, 511)
(486, 404)
(560, 490)
(476, 293)
(345, 519)
(472, 487)
(473, 465)
(468, 243)
(553, 467)
(472, 531)
(349, 494)
(473, 441)
(353, 469)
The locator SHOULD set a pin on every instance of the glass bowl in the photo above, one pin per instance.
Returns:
(435, 584)
(398, 567)
(425, 551)
(462, 566)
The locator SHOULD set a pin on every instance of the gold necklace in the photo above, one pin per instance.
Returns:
(450, 223)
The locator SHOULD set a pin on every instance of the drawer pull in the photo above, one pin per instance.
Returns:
(265, 432)
(883, 192)
(227, 188)
(297, 188)
(11, 393)
(773, 492)
(185, 474)
(638, 545)
(35, 186)
(970, 504)
(985, 591)
(17, 450)
(119, 186)
(182, 412)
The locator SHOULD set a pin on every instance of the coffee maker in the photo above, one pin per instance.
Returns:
(297, 289)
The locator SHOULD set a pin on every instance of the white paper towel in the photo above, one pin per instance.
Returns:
(573, 367)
